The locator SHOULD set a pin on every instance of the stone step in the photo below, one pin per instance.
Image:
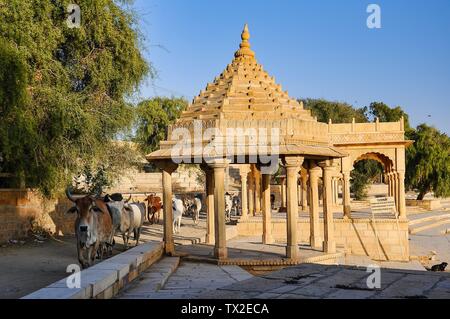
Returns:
(418, 229)
(427, 219)
(231, 232)
(153, 279)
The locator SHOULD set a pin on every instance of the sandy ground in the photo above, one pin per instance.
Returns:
(27, 267)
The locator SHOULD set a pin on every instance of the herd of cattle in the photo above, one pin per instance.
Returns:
(100, 219)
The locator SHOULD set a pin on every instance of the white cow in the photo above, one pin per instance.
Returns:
(178, 210)
(228, 206)
(132, 220)
(196, 207)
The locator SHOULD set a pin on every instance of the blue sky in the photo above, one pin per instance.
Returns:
(317, 49)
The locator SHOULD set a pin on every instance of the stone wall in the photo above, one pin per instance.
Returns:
(141, 182)
(20, 210)
(428, 204)
(356, 236)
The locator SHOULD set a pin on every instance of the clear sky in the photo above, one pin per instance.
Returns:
(317, 49)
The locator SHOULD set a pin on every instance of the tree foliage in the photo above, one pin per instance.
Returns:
(63, 92)
(365, 173)
(384, 113)
(428, 162)
(338, 112)
(152, 118)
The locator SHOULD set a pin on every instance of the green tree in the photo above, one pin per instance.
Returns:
(338, 112)
(365, 173)
(384, 113)
(77, 82)
(152, 118)
(428, 162)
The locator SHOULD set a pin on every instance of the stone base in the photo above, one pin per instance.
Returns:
(292, 252)
(169, 249)
(329, 247)
(428, 204)
(315, 242)
(357, 236)
(267, 239)
(220, 253)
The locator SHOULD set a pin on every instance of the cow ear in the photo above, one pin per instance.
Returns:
(72, 210)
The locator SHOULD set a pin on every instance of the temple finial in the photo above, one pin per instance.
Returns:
(244, 47)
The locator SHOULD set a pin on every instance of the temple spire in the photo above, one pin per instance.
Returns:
(244, 47)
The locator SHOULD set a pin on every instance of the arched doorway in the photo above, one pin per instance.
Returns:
(370, 176)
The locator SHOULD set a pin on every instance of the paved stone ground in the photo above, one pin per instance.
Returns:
(249, 248)
(206, 281)
(431, 240)
(320, 281)
(189, 281)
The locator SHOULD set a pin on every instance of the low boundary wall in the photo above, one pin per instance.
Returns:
(355, 236)
(105, 279)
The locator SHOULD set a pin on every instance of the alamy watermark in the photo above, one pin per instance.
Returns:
(374, 19)
(374, 279)
(74, 18)
(238, 145)
(74, 280)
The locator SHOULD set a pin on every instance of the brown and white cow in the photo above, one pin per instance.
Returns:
(154, 207)
(93, 227)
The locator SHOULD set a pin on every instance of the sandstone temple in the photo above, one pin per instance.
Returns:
(316, 159)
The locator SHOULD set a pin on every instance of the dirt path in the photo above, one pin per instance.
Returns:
(26, 268)
(31, 266)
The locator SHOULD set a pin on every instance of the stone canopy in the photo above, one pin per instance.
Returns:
(244, 96)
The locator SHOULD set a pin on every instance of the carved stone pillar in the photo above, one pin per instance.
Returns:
(401, 195)
(283, 194)
(267, 210)
(329, 244)
(346, 194)
(391, 184)
(220, 246)
(395, 189)
(304, 189)
(314, 223)
(209, 173)
(293, 166)
(257, 175)
(244, 170)
(167, 169)
(251, 194)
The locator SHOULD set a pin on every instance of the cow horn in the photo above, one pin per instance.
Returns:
(128, 199)
(69, 195)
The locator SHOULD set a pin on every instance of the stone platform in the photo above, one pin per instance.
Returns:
(249, 251)
(331, 282)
